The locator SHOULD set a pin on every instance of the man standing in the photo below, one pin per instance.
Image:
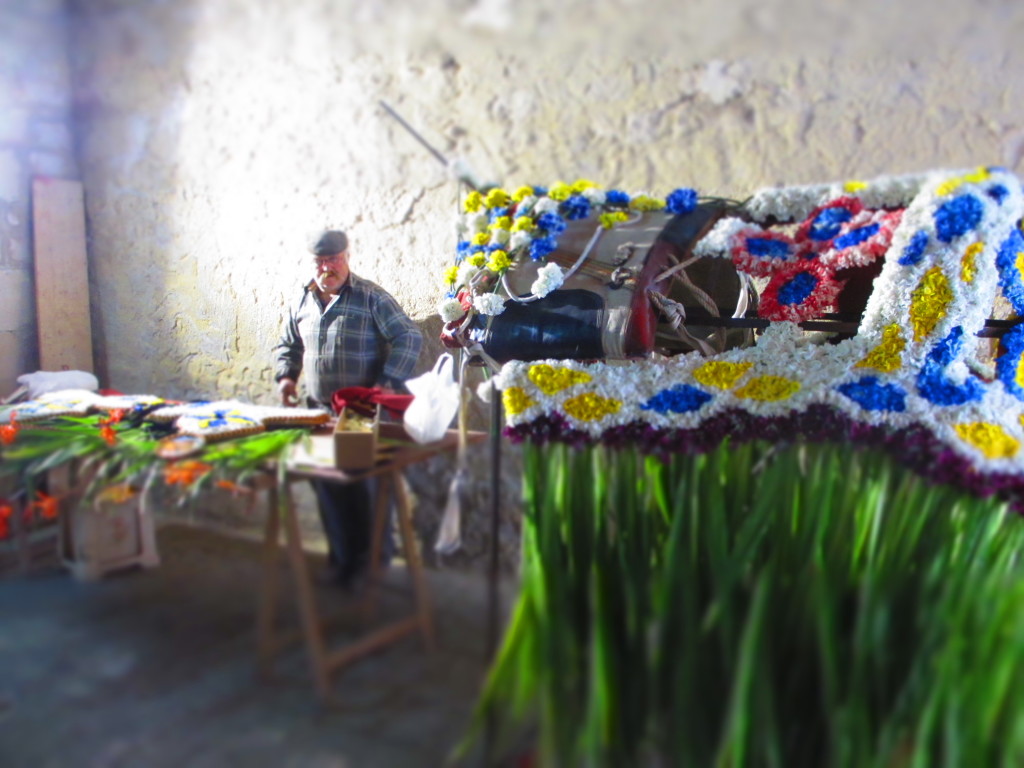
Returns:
(344, 332)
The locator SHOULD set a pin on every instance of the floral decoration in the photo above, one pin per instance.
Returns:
(500, 228)
(949, 245)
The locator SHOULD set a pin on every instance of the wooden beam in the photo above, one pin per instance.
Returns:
(61, 275)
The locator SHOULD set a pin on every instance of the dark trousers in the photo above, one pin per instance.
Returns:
(346, 512)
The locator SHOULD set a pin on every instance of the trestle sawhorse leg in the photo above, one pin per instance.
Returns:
(324, 662)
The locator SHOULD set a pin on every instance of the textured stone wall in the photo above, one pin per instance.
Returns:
(217, 133)
(35, 140)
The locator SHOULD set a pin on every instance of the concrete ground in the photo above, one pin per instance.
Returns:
(147, 669)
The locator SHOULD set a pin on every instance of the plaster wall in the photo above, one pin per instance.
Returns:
(35, 140)
(215, 134)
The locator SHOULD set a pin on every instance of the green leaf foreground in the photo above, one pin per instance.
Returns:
(809, 606)
(132, 458)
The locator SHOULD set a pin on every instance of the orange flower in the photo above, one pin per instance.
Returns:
(185, 472)
(48, 506)
(115, 416)
(108, 434)
(10, 431)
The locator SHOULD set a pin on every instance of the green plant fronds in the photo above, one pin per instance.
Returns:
(755, 606)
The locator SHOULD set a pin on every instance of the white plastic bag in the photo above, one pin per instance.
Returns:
(435, 401)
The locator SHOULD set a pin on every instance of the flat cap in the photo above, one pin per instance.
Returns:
(328, 242)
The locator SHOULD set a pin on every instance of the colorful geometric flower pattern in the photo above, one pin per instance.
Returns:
(952, 249)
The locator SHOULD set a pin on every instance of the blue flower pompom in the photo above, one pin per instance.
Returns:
(540, 191)
(575, 208)
(997, 192)
(828, 222)
(681, 398)
(1010, 278)
(616, 197)
(871, 395)
(958, 217)
(915, 249)
(798, 288)
(1008, 363)
(932, 382)
(767, 248)
(541, 247)
(552, 223)
(496, 213)
(682, 200)
(856, 236)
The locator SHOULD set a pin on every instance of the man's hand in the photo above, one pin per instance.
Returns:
(286, 388)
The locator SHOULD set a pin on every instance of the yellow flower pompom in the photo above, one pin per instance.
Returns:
(497, 198)
(499, 261)
(580, 185)
(886, 357)
(480, 238)
(473, 202)
(560, 191)
(522, 224)
(551, 380)
(591, 407)
(515, 401)
(610, 219)
(502, 222)
(969, 264)
(990, 439)
(646, 203)
(854, 186)
(522, 193)
(720, 374)
(769, 388)
(450, 274)
(477, 260)
(929, 302)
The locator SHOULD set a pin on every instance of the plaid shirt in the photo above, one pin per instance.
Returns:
(362, 338)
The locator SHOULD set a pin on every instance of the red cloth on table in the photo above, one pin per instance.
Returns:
(363, 400)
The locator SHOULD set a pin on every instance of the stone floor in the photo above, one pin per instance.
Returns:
(157, 668)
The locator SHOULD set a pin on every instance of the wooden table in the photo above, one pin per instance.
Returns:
(281, 511)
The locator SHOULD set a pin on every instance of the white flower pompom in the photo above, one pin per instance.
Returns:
(546, 205)
(450, 309)
(721, 239)
(500, 236)
(594, 195)
(549, 278)
(489, 304)
(525, 205)
(519, 239)
(466, 273)
(475, 222)
(484, 390)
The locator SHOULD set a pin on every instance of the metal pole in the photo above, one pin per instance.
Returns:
(494, 572)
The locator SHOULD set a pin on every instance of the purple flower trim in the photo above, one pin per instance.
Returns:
(914, 447)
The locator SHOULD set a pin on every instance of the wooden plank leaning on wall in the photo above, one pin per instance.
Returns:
(61, 275)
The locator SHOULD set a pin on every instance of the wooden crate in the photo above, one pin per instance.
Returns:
(108, 535)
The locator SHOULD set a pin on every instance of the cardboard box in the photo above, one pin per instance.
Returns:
(357, 447)
(355, 440)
